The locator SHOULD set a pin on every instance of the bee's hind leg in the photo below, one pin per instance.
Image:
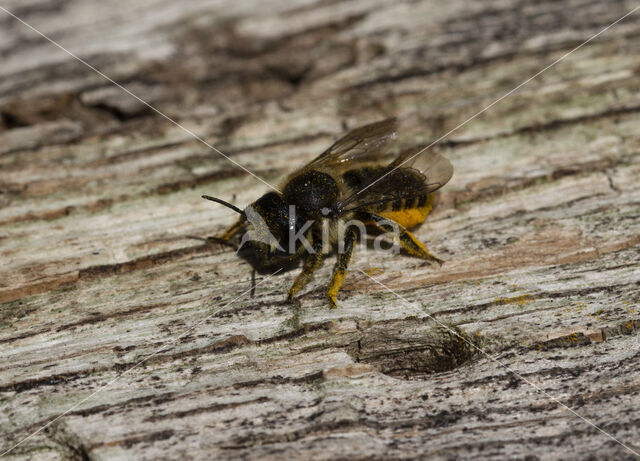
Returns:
(340, 269)
(407, 240)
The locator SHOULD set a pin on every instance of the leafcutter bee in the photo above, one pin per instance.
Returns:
(348, 183)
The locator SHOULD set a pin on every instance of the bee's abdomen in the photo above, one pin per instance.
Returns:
(406, 203)
(360, 178)
(408, 211)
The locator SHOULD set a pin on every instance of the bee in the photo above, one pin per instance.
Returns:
(348, 182)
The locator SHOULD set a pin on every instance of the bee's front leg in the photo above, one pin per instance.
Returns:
(231, 231)
(340, 269)
(226, 236)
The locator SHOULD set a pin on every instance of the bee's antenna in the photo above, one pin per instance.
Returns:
(227, 204)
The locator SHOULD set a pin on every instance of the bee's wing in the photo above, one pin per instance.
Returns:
(363, 144)
(428, 171)
(436, 168)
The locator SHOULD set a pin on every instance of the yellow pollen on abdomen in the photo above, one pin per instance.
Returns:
(411, 216)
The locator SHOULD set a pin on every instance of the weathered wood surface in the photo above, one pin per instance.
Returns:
(98, 196)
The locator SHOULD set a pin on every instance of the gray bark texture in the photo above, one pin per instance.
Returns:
(147, 340)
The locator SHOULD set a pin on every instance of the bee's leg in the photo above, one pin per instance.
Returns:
(231, 231)
(340, 269)
(312, 262)
(407, 240)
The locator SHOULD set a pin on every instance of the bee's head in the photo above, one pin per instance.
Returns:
(265, 242)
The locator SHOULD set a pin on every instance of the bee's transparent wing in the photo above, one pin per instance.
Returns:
(413, 173)
(436, 168)
(364, 144)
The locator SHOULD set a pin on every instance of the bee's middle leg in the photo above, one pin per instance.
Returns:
(312, 263)
(340, 269)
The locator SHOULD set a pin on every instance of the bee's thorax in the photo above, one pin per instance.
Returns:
(312, 192)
